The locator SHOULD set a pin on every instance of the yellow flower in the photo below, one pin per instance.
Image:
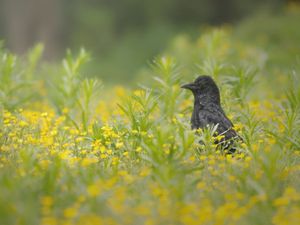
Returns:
(255, 147)
(88, 161)
(94, 189)
(49, 221)
(145, 172)
(65, 111)
(102, 149)
(119, 144)
(134, 132)
(289, 195)
(44, 114)
(139, 92)
(90, 219)
(103, 156)
(115, 160)
(70, 212)
(203, 157)
(44, 163)
(47, 201)
(120, 91)
(79, 139)
(201, 185)
(23, 123)
(109, 152)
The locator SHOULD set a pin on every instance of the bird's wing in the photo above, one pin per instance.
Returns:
(214, 116)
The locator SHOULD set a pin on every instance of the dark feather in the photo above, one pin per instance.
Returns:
(208, 111)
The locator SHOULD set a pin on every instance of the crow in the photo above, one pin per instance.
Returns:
(208, 111)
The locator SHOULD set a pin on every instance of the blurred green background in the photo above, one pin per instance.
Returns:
(124, 35)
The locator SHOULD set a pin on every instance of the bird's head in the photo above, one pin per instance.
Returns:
(204, 86)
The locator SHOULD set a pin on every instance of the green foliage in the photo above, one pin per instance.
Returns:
(241, 83)
(69, 85)
(138, 108)
(290, 108)
(74, 93)
(167, 85)
(16, 79)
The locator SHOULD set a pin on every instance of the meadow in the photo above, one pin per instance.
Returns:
(75, 151)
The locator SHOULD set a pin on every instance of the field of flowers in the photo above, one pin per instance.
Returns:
(74, 151)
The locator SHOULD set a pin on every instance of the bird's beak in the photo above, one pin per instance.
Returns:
(190, 86)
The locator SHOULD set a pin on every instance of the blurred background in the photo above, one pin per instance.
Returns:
(122, 35)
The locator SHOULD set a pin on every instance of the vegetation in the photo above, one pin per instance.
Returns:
(73, 151)
(121, 35)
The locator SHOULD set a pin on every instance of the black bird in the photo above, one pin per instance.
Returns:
(208, 111)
